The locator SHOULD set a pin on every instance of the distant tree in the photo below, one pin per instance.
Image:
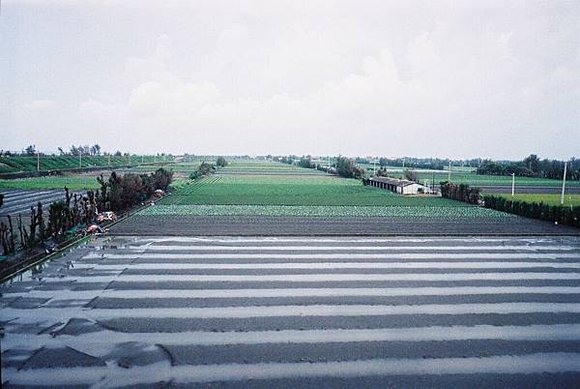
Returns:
(306, 162)
(118, 153)
(533, 163)
(346, 167)
(161, 179)
(206, 168)
(96, 150)
(382, 172)
(75, 150)
(61, 151)
(411, 175)
(30, 150)
(221, 162)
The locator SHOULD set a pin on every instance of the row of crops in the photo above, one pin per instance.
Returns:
(323, 211)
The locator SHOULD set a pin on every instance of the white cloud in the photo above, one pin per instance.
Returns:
(39, 106)
(445, 78)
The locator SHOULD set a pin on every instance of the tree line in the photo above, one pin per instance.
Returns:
(117, 193)
(460, 192)
(343, 166)
(532, 166)
(554, 213)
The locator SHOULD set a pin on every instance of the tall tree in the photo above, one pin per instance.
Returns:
(96, 150)
(30, 150)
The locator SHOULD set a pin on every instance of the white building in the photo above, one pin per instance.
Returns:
(403, 187)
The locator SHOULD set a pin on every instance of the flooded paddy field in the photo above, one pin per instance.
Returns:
(298, 312)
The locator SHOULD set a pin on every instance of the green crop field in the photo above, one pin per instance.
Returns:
(73, 182)
(315, 190)
(549, 199)
(272, 189)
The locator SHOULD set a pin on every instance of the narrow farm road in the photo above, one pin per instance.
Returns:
(298, 312)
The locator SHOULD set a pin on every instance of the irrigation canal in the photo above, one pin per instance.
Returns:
(298, 312)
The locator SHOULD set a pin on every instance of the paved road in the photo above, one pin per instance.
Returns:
(299, 312)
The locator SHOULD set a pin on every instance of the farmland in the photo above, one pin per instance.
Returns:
(472, 179)
(274, 192)
(549, 199)
(73, 182)
(264, 198)
(290, 189)
(299, 312)
(83, 181)
(489, 184)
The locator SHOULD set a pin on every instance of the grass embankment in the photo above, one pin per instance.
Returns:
(18, 163)
(272, 189)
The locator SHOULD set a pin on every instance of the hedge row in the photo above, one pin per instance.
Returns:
(460, 192)
(555, 213)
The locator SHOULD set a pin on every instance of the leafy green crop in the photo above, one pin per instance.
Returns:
(323, 211)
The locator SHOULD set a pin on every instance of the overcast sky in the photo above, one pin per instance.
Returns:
(460, 79)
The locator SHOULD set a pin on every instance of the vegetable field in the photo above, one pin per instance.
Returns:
(271, 199)
(291, 189)
(261, 189)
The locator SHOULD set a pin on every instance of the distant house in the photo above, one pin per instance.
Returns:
(403, 187)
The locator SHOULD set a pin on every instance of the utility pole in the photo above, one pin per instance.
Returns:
(38, 161)
(513, 184)
(109, 160)
(449, 173)
(80, 158)
(433, 183)
(564, 183)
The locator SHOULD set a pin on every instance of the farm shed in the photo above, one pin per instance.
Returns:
(404, 187)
